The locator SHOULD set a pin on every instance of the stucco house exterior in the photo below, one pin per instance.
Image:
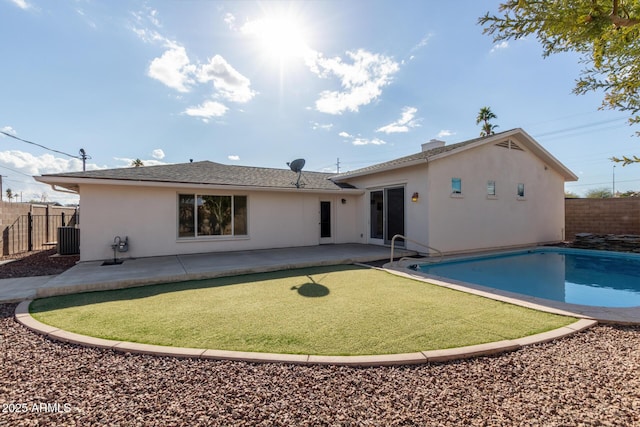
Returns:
(500, 191)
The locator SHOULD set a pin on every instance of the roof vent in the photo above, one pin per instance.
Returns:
(509, 144)
(434, 143)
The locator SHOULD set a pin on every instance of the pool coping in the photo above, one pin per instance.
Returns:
(23, 316)
(612, 315)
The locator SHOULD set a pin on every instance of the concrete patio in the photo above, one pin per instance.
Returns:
(93, 276)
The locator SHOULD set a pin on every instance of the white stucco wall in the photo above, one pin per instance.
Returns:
(148, 216)
(476, 221)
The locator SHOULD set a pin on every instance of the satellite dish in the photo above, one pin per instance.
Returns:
(296, 166)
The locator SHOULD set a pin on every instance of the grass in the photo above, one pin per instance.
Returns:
(337, 310)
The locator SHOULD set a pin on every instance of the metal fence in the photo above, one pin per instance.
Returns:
(34, 232)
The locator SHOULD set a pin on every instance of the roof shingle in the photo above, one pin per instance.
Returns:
(206, 172)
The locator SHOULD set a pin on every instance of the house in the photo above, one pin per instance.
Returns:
(500, 191)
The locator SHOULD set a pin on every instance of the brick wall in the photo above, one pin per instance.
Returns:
(602, 216)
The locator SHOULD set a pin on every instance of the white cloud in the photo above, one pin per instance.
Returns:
(502, 45)
(22, 4)
(358, 140)
(148, 36)
(403, 124)
(316, 126)
(233, 157)
(230, 20)
(362, 80)
(207, 110)
(445, 132)
(88, 20)
(365, 141)
(229, 83)
(173, 68)
(19, 167)
(157, 154)
(422, 43)
(153, 17)
(7, 129)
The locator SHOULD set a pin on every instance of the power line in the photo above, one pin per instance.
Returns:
(13, 170)
(39, 145)
(600, 183)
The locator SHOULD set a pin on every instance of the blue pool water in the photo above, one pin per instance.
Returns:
(571, 276)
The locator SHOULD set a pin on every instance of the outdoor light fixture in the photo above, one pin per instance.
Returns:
(344, 201)
(414, 197)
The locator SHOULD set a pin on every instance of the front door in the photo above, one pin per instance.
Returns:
(326, 235)
(386, 215)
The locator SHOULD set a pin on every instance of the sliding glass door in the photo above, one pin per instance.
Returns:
(386, 214)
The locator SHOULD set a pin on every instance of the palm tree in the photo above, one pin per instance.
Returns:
(137, 163)
(484, 116)
(9, 194)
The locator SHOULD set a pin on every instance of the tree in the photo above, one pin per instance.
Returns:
(9, 194)
(137, 163)
(599, 193)
(606, 33)
(484, 116)
(571, 195)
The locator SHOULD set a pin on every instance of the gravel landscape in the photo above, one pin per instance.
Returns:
(37, 263)
(590, 379)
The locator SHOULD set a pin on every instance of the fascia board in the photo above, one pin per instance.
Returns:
(73, 182)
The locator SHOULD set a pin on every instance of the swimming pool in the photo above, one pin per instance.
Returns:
(593, 278)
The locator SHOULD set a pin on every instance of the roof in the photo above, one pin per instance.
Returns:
(402, 161)
(447, 150)
(217, 174)
(199, 173)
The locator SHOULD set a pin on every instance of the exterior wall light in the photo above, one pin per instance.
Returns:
(344, 201)
(415, 197)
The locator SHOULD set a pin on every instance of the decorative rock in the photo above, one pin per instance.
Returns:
(607, 242)
(590, 378)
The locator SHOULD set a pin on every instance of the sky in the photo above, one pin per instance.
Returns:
(342, 84)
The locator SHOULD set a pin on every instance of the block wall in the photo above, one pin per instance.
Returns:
(602, 216)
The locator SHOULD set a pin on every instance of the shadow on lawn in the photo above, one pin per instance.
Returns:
(311, 289)
(308, 289)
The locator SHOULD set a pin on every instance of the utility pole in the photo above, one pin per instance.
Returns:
(338, 165)
(613, 194)
(84, 157)
(1, 176)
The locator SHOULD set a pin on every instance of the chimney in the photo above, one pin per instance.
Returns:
(434, 143)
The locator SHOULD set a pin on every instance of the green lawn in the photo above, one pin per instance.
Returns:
(336, 310)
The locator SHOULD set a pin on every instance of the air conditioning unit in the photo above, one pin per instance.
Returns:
(68, 240)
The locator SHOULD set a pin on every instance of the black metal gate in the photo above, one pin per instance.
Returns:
(34, 232)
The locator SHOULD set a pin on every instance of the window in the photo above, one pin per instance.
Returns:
(491, 188)
(208, 215)
(520, 190)
(456, 186)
